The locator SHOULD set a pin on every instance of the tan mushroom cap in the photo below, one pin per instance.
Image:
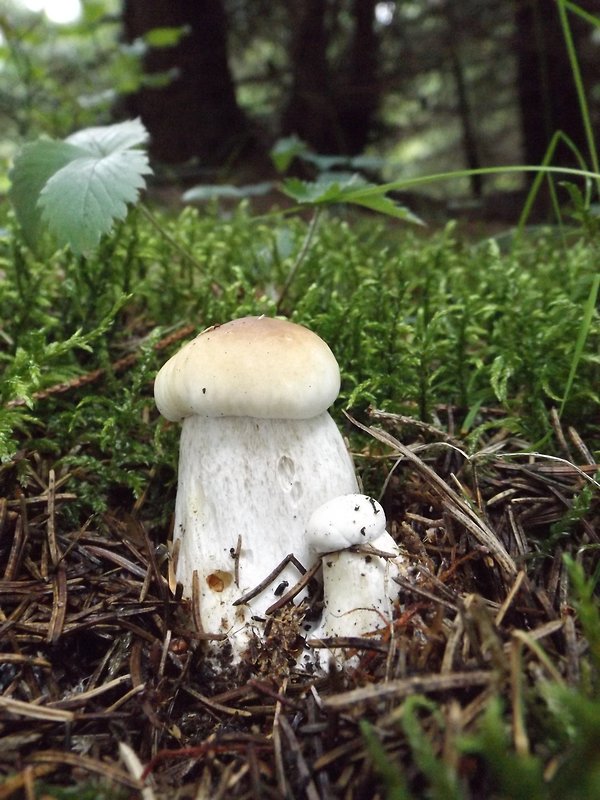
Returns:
(250, 367)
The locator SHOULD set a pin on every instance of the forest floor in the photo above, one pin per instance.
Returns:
(121, 700)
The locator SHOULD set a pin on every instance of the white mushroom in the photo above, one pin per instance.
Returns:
(258, 454)
(358, 589)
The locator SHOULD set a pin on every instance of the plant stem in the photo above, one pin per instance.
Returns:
(576, 72)
(586, 324)
(312, 227)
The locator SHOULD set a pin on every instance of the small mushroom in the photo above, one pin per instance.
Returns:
(358, 589)
(258, 453)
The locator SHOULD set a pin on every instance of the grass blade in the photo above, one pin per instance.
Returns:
(586, 323)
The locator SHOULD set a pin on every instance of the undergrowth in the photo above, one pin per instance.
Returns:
(416, 322)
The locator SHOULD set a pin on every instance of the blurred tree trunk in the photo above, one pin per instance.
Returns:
(332, 109)
(361, 95)
(196, 113)
(547, 96)
(310, 110)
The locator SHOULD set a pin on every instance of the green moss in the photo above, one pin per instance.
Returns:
(415, 322)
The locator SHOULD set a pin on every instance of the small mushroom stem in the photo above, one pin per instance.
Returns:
(358, 589)
(258, 479)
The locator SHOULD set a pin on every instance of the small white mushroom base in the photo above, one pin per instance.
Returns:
(258, 479)
(359, 591)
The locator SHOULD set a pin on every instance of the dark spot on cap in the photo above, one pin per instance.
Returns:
(373, 506)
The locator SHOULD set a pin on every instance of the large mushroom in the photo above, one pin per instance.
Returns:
(258, 454)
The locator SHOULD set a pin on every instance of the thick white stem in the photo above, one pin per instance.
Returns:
(258, 479)
(359, 590)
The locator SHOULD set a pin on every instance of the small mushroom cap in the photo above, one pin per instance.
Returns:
(344, 521)
(250, 367)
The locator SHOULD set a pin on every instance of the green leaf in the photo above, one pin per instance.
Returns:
(501, 372)
(340, 187)
(284, 151)
(83, 199)
(325, 190)
(385, 205)
(108, 139)
(79, 187)
(166, 37)
(32, 168)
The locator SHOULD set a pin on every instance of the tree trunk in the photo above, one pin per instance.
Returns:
(361, 93)
(196, 113)
(332, 110)
(547, 95)
(310, 111)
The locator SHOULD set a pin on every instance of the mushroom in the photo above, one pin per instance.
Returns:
(258, 454)
(358, 589)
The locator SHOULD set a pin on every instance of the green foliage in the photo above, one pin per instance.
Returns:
(56, 79)
(443, 781)
(84, 791)
(512, 775)
(392, 777)
(335, 187)
(568, 741)
(413, 322)
(166, 37)
(39, 361)
(79, 187)
(588, 610)
(284, 151)
(200, 194)
(506, 774)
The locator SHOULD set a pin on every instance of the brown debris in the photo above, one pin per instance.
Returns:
(104, 675)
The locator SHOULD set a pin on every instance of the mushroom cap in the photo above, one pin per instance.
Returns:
(345, 521)
(250, 367)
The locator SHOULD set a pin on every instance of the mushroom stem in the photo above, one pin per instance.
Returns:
(257, 479)
(358, 589)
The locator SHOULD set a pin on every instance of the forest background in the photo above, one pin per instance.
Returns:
(406, 88)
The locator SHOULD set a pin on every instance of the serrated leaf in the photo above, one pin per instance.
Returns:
(108, 139)
(33, 167)
(341, 187)
(385, 205)
(80, 186)
(322, 191)
(81, 201)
